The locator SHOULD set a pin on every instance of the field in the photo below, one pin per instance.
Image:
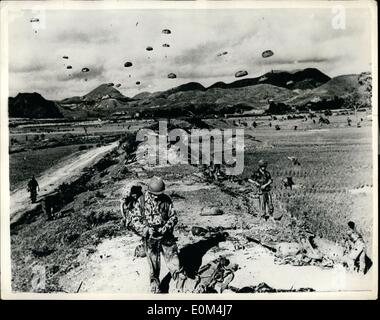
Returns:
(24, 164)
(333, 182)
(333, 185)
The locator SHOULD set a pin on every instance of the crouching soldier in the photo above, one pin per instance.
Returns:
(154, 218)
(263, 180)
(355, 251)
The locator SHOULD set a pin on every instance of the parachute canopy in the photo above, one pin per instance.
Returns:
(69, 67)
(166, 31)
(267, 53)
(222, 53)
(128, 64)
(65, 57)
(137, 82)
(34, 20)
(149, 48)
(165, 45)
(241, 73)
(172, 76)
(85, 69)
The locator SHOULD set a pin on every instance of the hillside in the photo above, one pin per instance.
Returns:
(104, 91)
(304, 79)
(32, 105)
(301, 89)
(348, 87)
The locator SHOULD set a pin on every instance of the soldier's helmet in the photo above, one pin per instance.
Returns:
(156, 185)
(263, 163)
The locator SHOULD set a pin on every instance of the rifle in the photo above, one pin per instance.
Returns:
(250, 239)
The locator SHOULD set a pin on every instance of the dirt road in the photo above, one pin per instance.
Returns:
(50, 179)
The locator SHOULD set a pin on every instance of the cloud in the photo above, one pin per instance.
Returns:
(199, 54)
(35, 67)
(96, 72)
(76, 36)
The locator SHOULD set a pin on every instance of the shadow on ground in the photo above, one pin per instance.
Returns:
(190, 257)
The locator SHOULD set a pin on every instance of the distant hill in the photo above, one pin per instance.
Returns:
(299, 89)
(303, 79)
(142, 95)
(104, 91)
(32, 105)
(353, 87)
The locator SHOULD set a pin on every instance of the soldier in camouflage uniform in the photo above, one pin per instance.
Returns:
(154, 218)
(263, 180)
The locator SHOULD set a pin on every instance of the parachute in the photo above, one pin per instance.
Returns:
(65, 57)
(222, 54)
(241, 73)
(138, 82)
(149, 48)
(166, 31)
(172, 76)
(69, 67)
(35, 24)
(267, 53)
(128, 64)
(85, 69)
(165, 45)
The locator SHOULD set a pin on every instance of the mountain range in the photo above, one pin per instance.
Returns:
(296, 88)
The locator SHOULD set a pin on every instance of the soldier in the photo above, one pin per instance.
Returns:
(154, 218)
(32, 188)
(263, 180)
(355, 252)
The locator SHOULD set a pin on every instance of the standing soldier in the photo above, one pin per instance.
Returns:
(263, 180)
(32, 188)
(154, 218)
(355, 252)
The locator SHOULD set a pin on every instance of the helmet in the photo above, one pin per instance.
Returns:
(156, 185)
(263, 163)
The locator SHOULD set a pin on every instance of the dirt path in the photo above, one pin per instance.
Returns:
(112, 268)
(50, 179)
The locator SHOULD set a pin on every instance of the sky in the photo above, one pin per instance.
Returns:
(103, 40)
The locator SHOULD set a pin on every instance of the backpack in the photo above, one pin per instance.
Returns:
(127, 212)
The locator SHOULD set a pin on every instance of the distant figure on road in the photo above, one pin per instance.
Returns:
(154, 219)
(32, 188)
(263, 180)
